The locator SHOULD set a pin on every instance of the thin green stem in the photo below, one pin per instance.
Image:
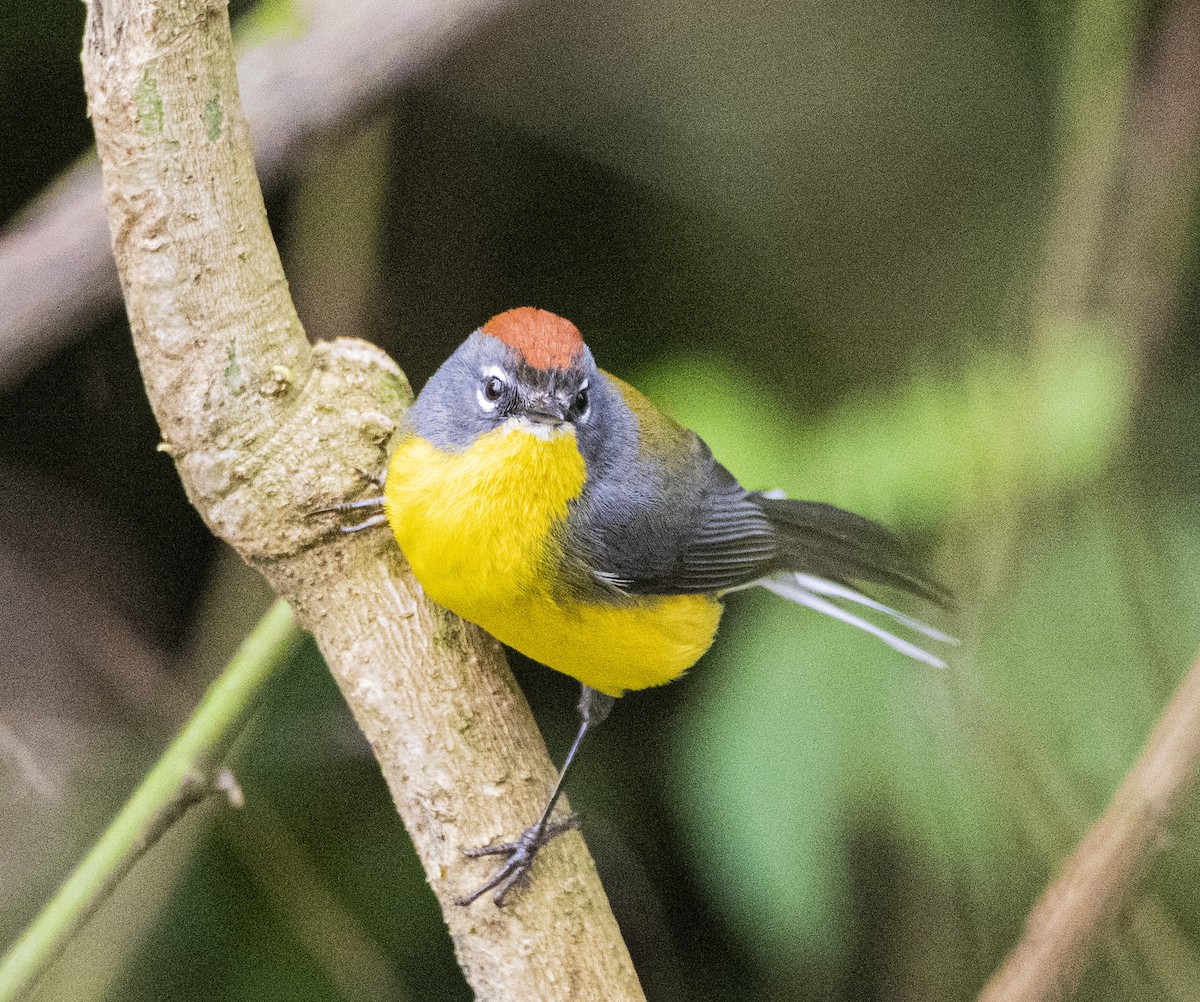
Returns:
(186, 773)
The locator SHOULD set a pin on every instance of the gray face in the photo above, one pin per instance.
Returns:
(485, 383)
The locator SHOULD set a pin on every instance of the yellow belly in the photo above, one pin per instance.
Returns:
(480, 529)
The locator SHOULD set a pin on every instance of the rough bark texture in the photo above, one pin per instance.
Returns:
(265, 429)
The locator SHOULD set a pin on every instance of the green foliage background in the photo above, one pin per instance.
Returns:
(814, 234)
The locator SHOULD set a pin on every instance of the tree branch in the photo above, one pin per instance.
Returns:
(1156, 198)
(1097, 881)
(264, 430)
(56, 267)
(1114, 252)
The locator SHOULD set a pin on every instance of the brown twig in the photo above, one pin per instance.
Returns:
(265, 429)
(56, 267)
(1115, 247)
(1097, 881)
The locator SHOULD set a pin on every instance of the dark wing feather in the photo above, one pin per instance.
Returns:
(660, 516)
(819, 539)
(735, 537)
(706, 533)
(652, 529)
(730, 543)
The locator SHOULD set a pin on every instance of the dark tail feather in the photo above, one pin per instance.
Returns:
(827, 542)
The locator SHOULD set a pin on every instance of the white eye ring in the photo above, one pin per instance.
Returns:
(491, 391)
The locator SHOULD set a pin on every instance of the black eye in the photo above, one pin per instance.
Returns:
(580, 405)
(493, 388)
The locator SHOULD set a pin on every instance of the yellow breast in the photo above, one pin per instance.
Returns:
(481, 527)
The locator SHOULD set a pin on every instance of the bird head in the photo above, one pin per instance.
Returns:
(526, 366)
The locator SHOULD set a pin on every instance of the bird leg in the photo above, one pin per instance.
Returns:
(594, 707)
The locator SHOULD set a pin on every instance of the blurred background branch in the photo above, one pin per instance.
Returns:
(1102, 875)
(822, 237)
(310, 68)
(1115, 250)
(1155, 200)
(186, 774)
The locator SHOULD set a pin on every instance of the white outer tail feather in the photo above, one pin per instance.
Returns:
(806, 590)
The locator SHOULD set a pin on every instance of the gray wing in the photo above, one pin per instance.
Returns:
(660, 516)
(700, 531)
(643, 530)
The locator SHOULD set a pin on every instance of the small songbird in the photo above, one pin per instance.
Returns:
(553, 505)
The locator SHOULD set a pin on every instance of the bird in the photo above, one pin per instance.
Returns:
(552, 504)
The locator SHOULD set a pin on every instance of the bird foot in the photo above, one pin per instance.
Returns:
(520, 855)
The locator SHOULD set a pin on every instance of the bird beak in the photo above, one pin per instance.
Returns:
(545, 408)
